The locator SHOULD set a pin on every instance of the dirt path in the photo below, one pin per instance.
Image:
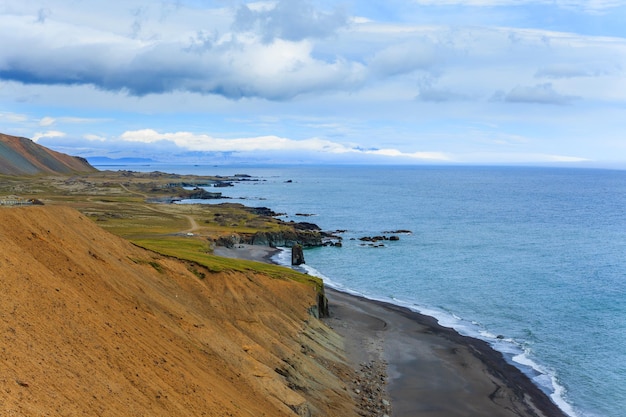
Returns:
(192, 222)
(193, 225)
(133, 192)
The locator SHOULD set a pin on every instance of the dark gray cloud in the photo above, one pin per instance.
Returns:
(292, 20)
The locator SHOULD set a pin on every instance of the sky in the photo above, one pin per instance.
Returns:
(319, 81)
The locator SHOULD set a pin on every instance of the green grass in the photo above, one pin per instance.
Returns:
(198, 251)
(116, 201)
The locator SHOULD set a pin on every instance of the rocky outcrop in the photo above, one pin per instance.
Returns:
(297, 255)
(286, 238)
(229, 241)
(262, 211)
(306, 226)
(378, 238)
(180, 193)
(199, 194)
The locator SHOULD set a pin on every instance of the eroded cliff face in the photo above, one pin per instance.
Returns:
(92, 325)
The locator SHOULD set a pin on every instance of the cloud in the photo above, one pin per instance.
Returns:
(189, 141)
(13, 117)
(427, 156)
(47, 121)
(95, 138)
(406, 57)
(538, 94)
(234, 67)
(43, 14)
(560, 71)
(280, 51)
(593, 6)
(292, 20)
(49, 134)
(435, 95)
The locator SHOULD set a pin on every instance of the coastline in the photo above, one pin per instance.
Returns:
(431, 370)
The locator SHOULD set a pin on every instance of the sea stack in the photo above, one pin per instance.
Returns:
(297, 255)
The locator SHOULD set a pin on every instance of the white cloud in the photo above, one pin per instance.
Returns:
(426, 156)
(575, 70)
(517, 158)
(13, 117)
(538, 94)
(436, 95)
(49, 134)
(205, 143)
(240, 67)
(376, 78)
(585, 5)
(47, 121)
(292, 62)
(292, 20)
(418, 54)
(96, 138)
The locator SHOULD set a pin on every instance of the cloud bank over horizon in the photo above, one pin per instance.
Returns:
(414, 80)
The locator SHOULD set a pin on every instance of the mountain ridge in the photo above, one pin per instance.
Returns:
(22, 156)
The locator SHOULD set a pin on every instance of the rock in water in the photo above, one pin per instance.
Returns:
(297, 255)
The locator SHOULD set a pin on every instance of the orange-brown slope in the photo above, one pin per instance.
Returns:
(92, 325)
(21, 156)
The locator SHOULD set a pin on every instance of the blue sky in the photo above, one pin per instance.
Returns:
(400, 81)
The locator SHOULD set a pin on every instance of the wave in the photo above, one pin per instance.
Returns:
(518, 353)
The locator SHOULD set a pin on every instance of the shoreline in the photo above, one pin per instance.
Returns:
(431, 370)
(434, 370)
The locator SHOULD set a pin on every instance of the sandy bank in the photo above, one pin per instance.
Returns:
(93, 325)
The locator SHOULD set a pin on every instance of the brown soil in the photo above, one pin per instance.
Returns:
(92, 325)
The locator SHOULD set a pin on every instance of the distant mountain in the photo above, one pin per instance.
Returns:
(22, 156)
(105, 160)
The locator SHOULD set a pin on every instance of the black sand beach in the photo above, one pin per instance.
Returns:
(432, 371)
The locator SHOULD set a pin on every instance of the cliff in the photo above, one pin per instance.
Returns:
(92, 325)
(21, 156)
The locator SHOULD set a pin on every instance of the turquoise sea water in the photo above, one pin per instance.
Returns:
(532, 260)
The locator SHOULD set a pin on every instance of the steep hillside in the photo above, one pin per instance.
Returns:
(92, 325)
(21, 156)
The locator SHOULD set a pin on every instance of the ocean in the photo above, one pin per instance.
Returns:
(532, 260)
